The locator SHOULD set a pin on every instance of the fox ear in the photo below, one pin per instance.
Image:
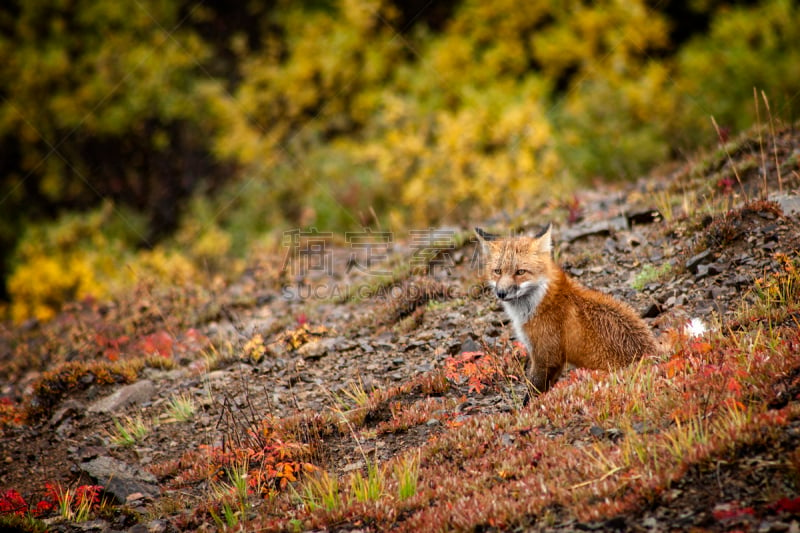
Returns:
(484, 236)
(484, 239)
(544, 239)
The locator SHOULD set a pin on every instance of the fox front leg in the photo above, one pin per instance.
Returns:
(541, 377)
(546, 361)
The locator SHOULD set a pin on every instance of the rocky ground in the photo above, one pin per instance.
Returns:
(280, 341)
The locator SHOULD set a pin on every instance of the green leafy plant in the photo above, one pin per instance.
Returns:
(369, 488)
(356, 394)
(229, 518)
(232, 494)
(321, 491)
(129, 431)
(181, 408)
(406, 473)
(650, 274)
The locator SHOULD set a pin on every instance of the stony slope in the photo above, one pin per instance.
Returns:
(280, 344)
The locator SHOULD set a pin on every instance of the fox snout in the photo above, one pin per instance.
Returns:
(513, 291)
(503, 293)
(506, 292)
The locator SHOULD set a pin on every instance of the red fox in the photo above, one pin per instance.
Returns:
(557, 319)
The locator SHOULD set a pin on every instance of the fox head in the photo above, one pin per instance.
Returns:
(518, 268)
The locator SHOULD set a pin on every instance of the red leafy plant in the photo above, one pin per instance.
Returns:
(111, 347)
(72, 504)
(10, 414)
(161, 343)
(273, 461)
(478, 369)
(77, 504)
(12, 502)
(786, 505)
(732, 512)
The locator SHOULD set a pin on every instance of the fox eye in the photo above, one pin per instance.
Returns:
(497, 271)
(521, 272)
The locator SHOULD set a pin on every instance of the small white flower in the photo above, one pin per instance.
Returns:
(695, 328)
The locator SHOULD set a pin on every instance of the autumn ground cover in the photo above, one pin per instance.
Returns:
(272, 402)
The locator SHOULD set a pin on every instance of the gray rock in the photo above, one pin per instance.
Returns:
(470, 345)
(69, 409)
(789, 203)
(596, 431)
(314, 349)
(157, 526)
(740, 280)
(92, 525)
(650, 522)
(86, 453)
(138, 392)
(119, 479)
(603, 227)
(695, 261)
(716, 293)
(619, 223)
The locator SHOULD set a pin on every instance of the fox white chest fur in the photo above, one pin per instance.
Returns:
(523, 307)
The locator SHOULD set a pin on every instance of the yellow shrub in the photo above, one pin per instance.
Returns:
(495, 152)
(168, 267)
(75, 257)
(41, 285)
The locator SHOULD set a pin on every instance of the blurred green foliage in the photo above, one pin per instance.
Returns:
(214, 124)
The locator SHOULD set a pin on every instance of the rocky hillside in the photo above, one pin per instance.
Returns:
(361, 383)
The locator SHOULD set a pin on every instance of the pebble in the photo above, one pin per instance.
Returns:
(701, 272)
(650, 522)
(470, 345)
(716, 293)
(695, 261)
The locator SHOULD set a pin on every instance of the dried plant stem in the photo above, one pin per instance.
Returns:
(730, 159)
(761, 145)
(774, 141)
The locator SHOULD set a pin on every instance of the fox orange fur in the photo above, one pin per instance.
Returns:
(558, 319)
